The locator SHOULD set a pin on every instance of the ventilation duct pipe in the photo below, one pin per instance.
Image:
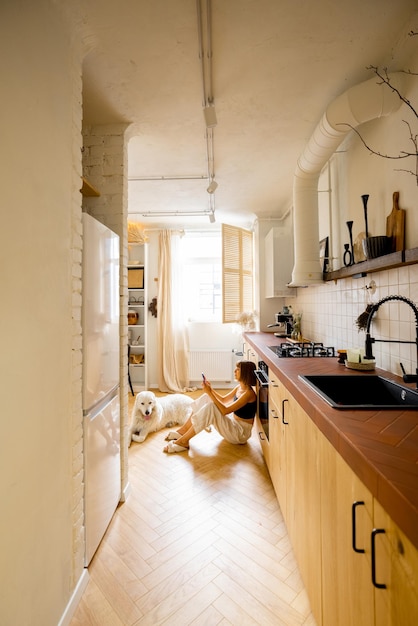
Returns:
(359, 104)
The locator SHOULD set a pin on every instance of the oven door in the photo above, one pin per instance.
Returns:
(263, 396)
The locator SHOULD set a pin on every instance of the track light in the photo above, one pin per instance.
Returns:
(210, 116)
(213, 185)
(212, 217)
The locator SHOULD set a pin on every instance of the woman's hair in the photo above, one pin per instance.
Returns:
(247, 376)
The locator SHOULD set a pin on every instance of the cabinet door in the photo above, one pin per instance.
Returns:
(249, 353)
(303, 498)
(277, 443)
(264, 442)
(346, 525)
(278, 246)
(396, 567)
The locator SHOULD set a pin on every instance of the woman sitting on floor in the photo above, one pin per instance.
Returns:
(232, 415)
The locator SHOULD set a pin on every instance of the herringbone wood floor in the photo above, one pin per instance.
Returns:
(199, 541)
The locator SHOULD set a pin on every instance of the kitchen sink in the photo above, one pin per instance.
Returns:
(362, 392)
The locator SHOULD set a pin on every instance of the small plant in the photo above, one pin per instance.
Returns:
(247, 320)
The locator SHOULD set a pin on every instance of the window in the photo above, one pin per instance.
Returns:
(218, 274)
(202, 253)
(237, 262)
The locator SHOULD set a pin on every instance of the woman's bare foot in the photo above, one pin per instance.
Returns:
(173, 447)
(173, 435)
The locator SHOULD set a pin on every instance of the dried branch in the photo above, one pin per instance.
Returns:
(402, 155)
(385, 79)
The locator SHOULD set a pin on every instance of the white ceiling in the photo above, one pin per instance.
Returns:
(277, 64)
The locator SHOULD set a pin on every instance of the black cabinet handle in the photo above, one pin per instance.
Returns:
(261, 435)
(353, 525)
(375, 532)
(274, 414)
(283, 419)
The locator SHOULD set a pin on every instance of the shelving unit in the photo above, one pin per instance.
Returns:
(137, 315)
(386, 262)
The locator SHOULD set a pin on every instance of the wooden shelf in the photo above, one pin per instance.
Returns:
(88, 190)
(386, 262)
(411, 256)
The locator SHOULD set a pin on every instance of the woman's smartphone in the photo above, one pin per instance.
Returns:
(203, 377)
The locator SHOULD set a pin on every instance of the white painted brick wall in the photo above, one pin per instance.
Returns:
(76, 388)
(329, 312)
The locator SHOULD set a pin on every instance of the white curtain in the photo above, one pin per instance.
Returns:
(173, 345)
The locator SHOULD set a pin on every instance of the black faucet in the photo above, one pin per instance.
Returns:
(408, 378)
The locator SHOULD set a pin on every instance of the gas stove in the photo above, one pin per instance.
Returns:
(302, 349)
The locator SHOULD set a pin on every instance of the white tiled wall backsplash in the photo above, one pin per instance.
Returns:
(330, 311)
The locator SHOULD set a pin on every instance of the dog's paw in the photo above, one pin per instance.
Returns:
(138, 438)
(170, 424)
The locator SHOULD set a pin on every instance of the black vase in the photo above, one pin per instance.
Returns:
(350, 233)
(365, 199)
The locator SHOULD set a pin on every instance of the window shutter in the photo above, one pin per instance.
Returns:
(237, 272)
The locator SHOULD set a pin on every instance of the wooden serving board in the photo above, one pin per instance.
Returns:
(395, 225)
(303, 340)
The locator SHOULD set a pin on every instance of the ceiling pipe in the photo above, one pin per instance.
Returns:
(201, 54)
(361, 103)
(203, 213)
(209, 53)
(205, 43)
(204, 19)
(174, 177)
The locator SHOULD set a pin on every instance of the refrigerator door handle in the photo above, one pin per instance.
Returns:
(92, 411)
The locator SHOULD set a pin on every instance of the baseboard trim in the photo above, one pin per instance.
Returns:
(75, 599)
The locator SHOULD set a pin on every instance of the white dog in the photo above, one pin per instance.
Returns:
(151, 413)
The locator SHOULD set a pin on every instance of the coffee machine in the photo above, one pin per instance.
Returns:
(283, 324)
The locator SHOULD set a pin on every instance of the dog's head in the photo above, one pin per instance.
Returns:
(145, 403)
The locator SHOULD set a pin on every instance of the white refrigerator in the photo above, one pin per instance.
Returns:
(101, 407)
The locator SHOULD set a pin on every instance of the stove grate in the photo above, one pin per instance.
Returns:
(303, 349)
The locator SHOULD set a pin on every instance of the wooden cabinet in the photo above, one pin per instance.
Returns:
(264, 442)
(342, 538)
(369, 568)
(249, 353)
(278, 246)
(303, 495)
(277, 429)
(294, 469)
(396, 567)
(346, 523)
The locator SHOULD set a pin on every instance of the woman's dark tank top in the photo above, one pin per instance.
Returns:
(246, 412)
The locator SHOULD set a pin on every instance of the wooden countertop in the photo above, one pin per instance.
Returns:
(381, 447)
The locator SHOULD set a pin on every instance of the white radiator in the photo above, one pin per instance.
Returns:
(216, 365)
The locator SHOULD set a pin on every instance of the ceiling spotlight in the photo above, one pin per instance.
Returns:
(212, 217)
(210, 116)
(212, 186)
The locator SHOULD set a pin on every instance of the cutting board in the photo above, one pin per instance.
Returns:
(395, 225)
(302, 340)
